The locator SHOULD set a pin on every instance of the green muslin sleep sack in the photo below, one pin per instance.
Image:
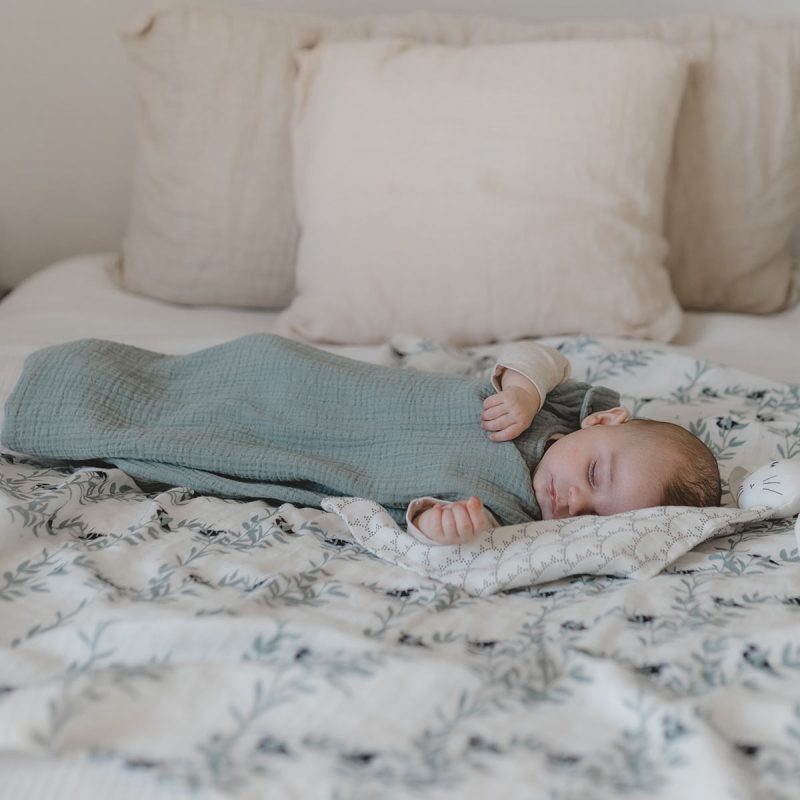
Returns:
(267, 417)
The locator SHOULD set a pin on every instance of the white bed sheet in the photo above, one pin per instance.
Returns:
(763, 344)
(81, 297)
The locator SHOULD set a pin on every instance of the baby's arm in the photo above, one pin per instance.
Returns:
(523, 375)
(437, 522)
(525, 372)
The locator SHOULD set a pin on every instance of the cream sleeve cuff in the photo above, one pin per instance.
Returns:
(543, 366)
(419, 505)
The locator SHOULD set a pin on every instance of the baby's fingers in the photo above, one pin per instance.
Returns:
(457, 527)
(497, 410)
(477, 514)
(494, 400)
(507, 433)
(497, 424)
(449, 527)
(463, 521)
(433, 521)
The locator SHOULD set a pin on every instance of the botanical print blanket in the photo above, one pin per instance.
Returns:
(248, 651)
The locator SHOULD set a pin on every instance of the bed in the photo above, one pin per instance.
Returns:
(165, 644)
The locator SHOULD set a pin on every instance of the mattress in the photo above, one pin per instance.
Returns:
(81, 298)
(164, 644)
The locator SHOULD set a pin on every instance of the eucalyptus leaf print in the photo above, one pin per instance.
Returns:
(230, 649)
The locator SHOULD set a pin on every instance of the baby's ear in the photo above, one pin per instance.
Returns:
(611, 416)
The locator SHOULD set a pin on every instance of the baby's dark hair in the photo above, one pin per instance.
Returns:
(696, 481)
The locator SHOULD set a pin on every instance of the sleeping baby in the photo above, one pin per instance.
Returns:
(447, 455)
(608, 463)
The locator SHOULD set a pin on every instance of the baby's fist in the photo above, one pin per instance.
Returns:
(509, 413)
(460, 522)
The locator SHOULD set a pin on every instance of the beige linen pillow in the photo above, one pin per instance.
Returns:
(734, 195)
(212, 219)
(212, 212)
(483, 193)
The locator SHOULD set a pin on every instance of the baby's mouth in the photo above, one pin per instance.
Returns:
(551, 490)
(545, 496)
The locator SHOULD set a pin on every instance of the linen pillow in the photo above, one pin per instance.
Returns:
(212, 214)
(483, 193)
(212, 220)
(734, 196)
(212, 217)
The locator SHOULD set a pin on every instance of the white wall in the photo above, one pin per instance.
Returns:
(66, 107)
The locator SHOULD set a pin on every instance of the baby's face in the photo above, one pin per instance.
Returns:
(603, 469)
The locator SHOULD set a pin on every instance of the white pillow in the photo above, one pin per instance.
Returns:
(483, 193)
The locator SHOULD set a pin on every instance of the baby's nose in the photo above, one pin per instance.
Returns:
(578, 502)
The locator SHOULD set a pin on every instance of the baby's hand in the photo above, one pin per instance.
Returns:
(457, 523)
(509, 413)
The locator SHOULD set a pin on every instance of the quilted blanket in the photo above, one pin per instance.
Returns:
(232, 649)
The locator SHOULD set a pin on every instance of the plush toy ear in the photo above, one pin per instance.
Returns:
(736, 481)
(775, 485)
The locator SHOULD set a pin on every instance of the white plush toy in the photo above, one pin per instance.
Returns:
(776, 485)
